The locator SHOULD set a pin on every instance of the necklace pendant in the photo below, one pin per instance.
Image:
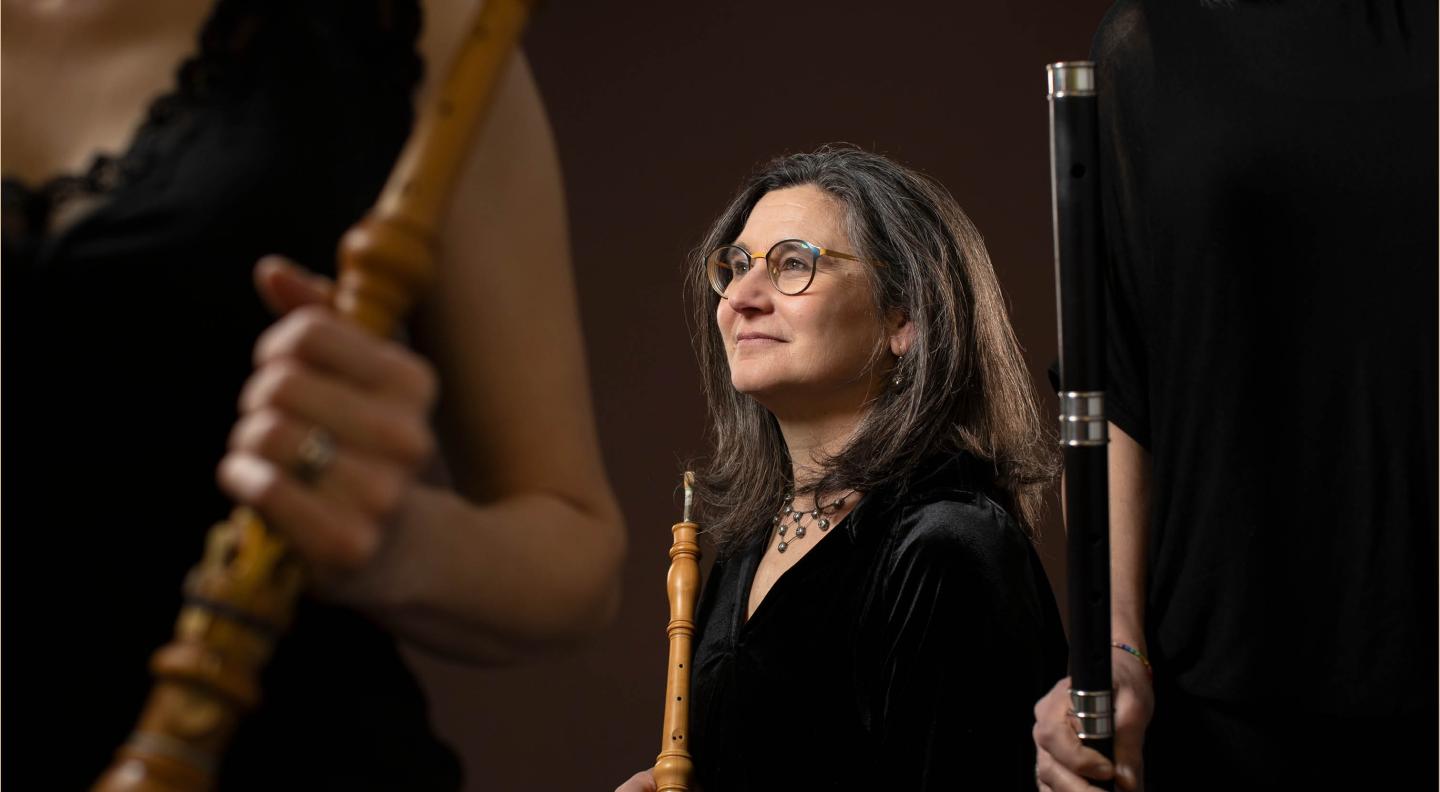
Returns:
(824, 524)
(800, 532)
(781, 547)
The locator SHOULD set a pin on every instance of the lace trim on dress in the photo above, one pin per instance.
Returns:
(222, 64)
(32, 210)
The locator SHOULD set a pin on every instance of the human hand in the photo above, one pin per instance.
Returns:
(1062, 762)
(643, 781)
(334, 428)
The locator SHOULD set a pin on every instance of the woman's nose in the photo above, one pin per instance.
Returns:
(751, 291)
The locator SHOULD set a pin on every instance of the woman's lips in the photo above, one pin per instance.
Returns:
(755, 339)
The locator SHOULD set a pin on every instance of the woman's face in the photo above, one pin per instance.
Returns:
(804, 355)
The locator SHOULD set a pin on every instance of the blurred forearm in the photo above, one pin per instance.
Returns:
(497, 582)
(1129, 535)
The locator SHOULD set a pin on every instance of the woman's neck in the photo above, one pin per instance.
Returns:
(813, 440)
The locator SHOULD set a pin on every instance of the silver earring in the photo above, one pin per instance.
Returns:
(898, 380)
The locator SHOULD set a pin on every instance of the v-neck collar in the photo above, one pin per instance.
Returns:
(941, 472)
(843, 534)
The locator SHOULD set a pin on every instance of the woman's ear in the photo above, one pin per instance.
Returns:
(901, 333)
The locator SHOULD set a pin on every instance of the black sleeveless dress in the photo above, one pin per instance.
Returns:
(127, 337)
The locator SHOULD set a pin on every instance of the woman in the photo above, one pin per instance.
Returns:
(877, 618)
(131, 325)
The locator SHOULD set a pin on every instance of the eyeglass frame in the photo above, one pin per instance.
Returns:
(770, 268)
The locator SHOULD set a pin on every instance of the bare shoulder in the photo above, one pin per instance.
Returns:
(504, 332)
(443, 27)
(517, 133)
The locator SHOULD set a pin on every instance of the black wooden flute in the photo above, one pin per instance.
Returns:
(1080, 299)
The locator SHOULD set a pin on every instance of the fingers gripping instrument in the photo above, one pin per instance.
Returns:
(240, 597)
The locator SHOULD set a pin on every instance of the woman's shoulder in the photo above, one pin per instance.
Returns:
(961, 552)
(962, 526)
(952, 517)
(444, 31)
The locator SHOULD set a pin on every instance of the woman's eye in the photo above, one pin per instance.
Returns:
(794, 265)
(740, 268)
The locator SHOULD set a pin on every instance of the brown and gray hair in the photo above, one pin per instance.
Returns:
(965, 382)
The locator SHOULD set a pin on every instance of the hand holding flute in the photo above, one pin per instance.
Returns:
(336, 422)
(1062, 760)
(1063, 763)
(1075, 722)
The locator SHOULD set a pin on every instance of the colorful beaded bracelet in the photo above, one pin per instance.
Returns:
(1139, 655)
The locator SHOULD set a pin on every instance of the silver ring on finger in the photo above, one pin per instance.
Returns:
(315, 455)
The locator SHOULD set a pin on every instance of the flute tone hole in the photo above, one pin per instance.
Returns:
(1077, 170)
(678, 698)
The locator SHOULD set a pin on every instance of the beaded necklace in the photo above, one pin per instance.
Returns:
(794, 522)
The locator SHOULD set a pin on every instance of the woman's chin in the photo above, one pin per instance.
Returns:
(759, 388)
(784, 400)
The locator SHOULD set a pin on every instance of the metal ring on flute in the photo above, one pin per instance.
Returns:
(1082, 418)
(1070, 78)
(1095, 711)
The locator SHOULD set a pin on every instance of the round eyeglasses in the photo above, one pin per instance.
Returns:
(790, 264)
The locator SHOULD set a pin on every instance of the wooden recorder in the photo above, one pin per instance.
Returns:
(673, 767)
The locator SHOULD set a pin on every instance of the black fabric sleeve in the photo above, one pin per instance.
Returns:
(960, 654)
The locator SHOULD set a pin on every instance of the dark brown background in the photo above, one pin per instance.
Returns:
(660, 108)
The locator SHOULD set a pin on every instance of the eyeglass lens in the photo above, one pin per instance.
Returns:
(791, 266)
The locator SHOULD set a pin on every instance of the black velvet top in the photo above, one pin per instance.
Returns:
(905, 651)
(127, 336)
